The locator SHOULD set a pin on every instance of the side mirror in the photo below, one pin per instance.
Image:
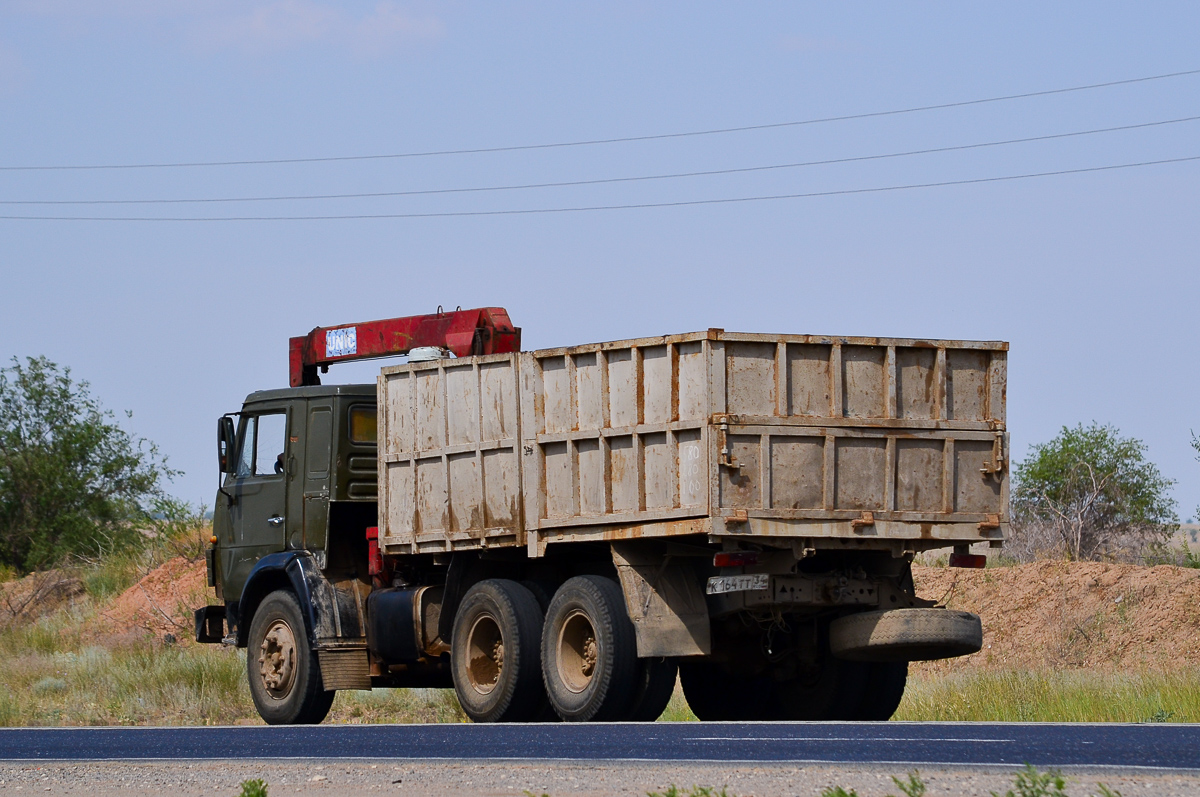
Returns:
(225, 444)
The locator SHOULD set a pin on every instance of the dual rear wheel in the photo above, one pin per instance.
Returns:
(830, 689)
(575, 659)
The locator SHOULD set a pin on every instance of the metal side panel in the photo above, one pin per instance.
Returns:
(861, 438)
(449, 456)
(782, 435)
(847, 481)
(615, 434)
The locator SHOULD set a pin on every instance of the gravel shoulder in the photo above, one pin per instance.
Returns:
(557, 779)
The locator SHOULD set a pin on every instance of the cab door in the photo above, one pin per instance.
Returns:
(258, 511)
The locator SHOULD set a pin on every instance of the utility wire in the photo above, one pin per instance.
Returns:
(623, 140)
(638, 206)
(602, 181)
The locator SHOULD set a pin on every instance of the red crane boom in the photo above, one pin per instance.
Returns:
(486, 330)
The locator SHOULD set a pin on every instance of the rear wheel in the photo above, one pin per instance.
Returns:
(826, 690)
(656, 684)
(542, 594)
(589, 652)
(494, 652)
(715, 694)
(285, 678)
(883, 691)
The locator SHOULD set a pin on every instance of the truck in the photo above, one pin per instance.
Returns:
(569, 533)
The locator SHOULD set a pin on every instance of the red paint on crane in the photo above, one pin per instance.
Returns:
(485, 330)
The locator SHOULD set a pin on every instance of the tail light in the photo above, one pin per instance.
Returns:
(735, 558)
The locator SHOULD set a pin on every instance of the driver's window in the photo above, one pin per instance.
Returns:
(264, 439)
(272, 438)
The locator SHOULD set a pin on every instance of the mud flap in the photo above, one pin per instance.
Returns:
(665, 600)
(345, 668)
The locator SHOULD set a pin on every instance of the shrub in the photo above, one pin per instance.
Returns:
(254, 788)
(1090, 493)
(1031, 783)
(72, 481)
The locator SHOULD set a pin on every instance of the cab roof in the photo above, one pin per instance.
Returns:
(317, 391)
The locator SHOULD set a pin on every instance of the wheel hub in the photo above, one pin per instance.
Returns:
(277, 659)
(485, 654)
(578, 652)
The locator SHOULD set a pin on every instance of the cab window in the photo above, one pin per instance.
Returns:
(264, 442)
(364, 424)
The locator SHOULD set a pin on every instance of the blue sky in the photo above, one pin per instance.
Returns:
(1092, 277)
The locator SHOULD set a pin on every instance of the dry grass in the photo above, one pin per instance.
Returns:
(1054, 696)
(55, 675)
(1068, 643)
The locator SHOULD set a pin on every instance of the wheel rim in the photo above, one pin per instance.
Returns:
(578, 652)
(277, 659)
(485, 654)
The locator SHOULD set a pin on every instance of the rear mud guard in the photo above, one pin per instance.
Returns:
(664, 599)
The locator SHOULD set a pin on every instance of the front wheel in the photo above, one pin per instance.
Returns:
(285, 678)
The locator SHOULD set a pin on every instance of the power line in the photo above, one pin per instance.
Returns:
(638, 206)
(601, 181)
(622, 140)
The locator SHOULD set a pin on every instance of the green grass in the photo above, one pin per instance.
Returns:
(397, 705)
(1049, 696)
(677, 709)
(131, 684)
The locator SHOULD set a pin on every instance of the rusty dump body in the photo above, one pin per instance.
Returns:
(799, 440)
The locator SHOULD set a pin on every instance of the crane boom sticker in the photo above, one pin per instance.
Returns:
(340, 342)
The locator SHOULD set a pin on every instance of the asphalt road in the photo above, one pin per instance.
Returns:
(1168, 746)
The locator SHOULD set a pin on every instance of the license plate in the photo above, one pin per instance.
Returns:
(719, 585)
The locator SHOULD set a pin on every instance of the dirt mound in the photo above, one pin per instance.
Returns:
(37, 594)
(162, 602)
(1073, 615)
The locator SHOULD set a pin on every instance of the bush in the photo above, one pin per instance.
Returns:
(72, 481)
(1088, 494)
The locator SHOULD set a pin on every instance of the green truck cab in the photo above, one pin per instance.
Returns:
(298, 492)
(301, 478)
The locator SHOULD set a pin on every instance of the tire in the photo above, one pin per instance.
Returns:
(884, 691)
(494, 652)
(542, 595)
(656, 684)
(833, 690)
(284, 675)
(589, 652)
(905, 635)
(715, 695)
